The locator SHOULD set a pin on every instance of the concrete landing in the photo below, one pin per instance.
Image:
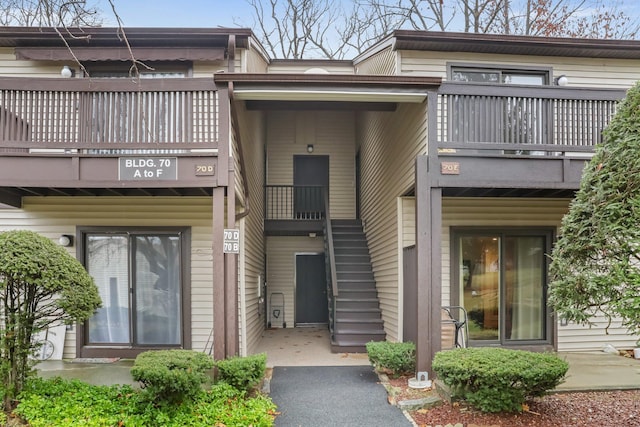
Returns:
(587, 370)
(116, 372)
(600, 371)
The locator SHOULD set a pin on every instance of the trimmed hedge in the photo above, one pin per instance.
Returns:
(498, 379)
(242, 373)
(396, 358)
(172, 375)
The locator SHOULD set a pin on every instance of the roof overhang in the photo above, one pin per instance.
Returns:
(120, 54)
(138, 37)
(324, 88)
(514, 44)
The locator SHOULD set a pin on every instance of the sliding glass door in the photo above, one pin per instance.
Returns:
(140, 282)
(501, 282)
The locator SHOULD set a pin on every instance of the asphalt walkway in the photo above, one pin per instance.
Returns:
(332, 396)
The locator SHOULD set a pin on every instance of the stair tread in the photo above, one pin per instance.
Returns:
(356, 286)
(351, 333)
(367, 321)
(348, 342)
(361, 321)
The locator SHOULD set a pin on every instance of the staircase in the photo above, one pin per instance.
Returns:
(358, 318)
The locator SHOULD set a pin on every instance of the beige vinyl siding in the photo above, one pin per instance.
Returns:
(281, 253)
(525, 212)
(390, 143)
(14, 68)
(384, 62)
(586, 72)
(574, 337)
(253, 62)
(406, 237)
(208, 69)
(252, 256)
(332, 134)
(53, 216)
(408, 221)
(238, 181)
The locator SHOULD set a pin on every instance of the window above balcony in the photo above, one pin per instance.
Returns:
(499, 75)
(145, 70)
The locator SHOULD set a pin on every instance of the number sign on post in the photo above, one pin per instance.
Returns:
(231, 241)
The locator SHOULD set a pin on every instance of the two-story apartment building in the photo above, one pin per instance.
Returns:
(432, 170)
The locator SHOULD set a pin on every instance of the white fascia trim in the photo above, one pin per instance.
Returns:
(327, 95)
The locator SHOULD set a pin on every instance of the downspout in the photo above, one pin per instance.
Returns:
(231, 67)
(243, 169)
(231, 54)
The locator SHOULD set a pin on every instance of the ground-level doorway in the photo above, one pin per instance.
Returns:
(140, 274)
(311, 290)
(501, 282)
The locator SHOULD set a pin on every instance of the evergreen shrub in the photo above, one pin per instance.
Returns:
(242, 373)
(172, 375)
(498, 379)
(395, 358)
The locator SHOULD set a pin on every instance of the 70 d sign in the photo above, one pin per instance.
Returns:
(231, 241)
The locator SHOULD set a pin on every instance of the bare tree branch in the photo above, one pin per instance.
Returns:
(48, 13)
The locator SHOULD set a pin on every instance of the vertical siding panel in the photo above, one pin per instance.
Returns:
(390, 143)
(252, 257)
(53, 216)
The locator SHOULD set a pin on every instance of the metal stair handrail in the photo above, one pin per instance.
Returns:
(333, 277)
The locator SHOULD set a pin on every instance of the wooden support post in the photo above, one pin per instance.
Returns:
(429, 267)
(219, 330)
(231, 279)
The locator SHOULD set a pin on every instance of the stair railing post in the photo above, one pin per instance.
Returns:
(332, 276)
(329, 237)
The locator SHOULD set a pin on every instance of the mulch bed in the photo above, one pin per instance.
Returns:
(597, 409)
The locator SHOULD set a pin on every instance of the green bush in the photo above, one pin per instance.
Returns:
(396, 358)
(497, 379)
(57, 402)
(242, 373)
(41, 285)
(172, 375)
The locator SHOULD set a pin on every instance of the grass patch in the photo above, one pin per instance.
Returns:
(70, 403)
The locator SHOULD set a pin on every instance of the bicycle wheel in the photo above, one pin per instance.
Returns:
(46, 350)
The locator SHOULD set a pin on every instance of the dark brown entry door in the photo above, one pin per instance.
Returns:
(311, 290)
(310, 177)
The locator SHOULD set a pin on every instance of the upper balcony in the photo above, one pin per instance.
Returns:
(505, 137)
(109, 134)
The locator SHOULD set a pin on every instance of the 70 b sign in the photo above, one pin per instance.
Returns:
(231, 241)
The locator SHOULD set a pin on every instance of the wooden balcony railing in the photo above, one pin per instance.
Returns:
(522, 119)
(294, 202)
(108, 115)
